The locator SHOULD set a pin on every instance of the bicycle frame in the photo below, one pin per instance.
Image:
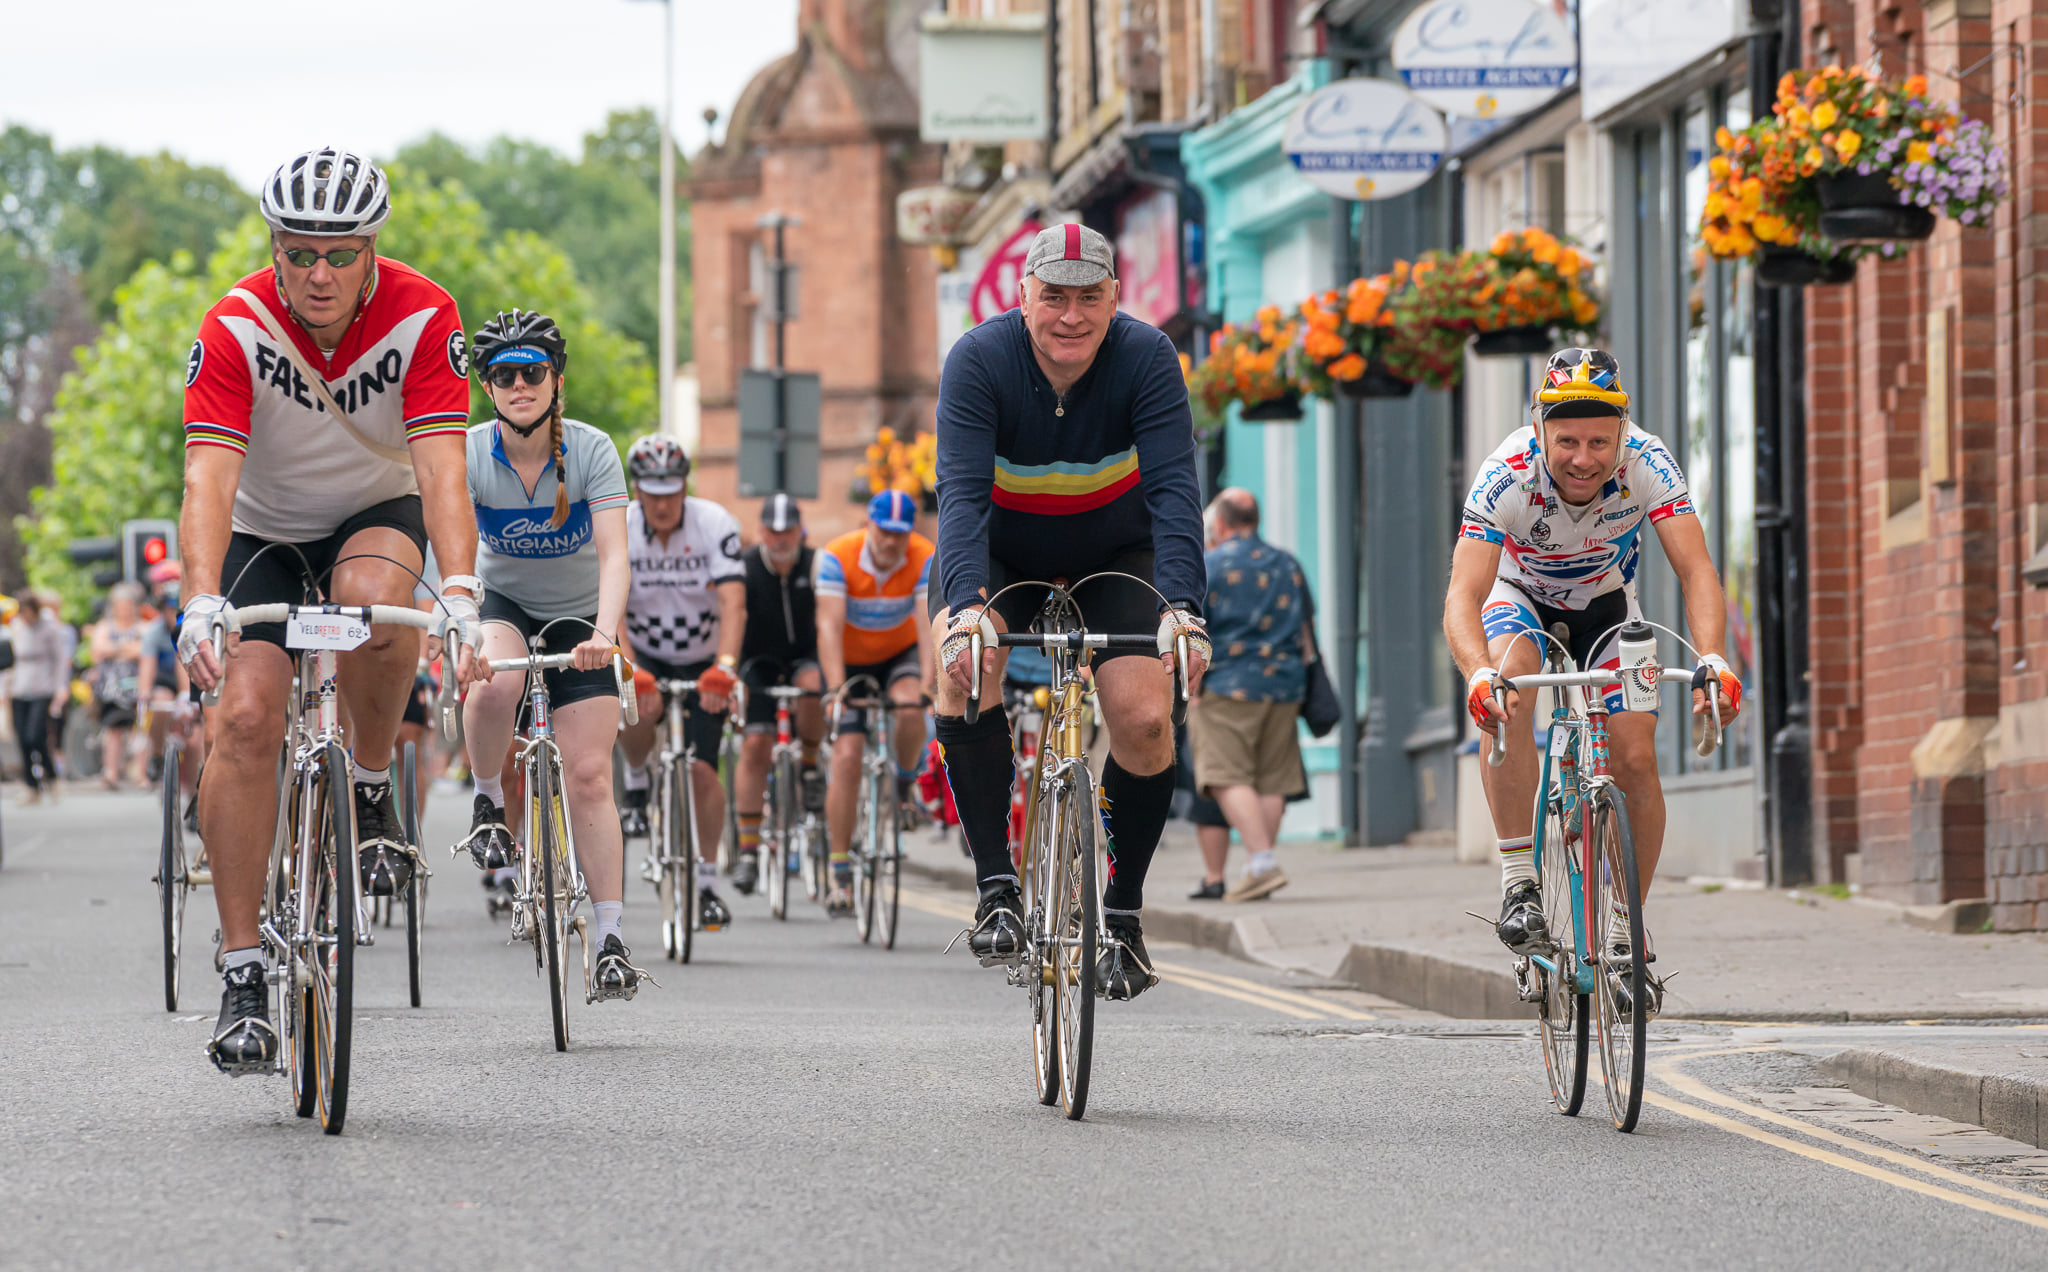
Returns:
(536, 748)
(1578, 723)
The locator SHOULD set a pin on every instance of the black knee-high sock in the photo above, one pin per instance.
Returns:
(980, 768)
(1137, 815)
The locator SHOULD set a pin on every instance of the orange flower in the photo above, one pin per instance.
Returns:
(1568, 263)
(1363, 308)
(1916, 86)
(1547, 252)
(1848, 144)
(1348, 367)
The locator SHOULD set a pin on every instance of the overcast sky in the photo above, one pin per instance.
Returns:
(247, 83)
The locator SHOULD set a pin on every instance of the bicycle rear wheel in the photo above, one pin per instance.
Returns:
(775, 836)
(171, 877)
(1079, 917)
(1562, 1015)
(1041, 884)
(332, 955)
(416, 890)
(556, 882)
(1624, 1039)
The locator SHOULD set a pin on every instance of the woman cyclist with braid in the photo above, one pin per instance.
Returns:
(550, 498)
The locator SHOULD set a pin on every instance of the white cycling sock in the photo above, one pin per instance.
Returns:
(610, 920)
(368, 777)
(504, 875)
(231, 959)
(1261, 863)
(636, 777)
(1517, 862)
(707, 873)
(492, 787)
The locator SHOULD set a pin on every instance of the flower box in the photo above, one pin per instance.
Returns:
(1864, 207)
(1794, 267)
(1514, 342)
(1285, 409)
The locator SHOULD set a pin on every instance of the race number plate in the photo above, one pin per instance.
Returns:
(1558, 738)
(325, 631)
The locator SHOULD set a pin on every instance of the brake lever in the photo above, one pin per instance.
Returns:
(1498, 751)
(1706, 734)
(973, 712)
(217, 636)
(629, 701)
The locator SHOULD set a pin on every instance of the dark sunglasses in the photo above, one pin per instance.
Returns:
(339, 258)
(534, 373)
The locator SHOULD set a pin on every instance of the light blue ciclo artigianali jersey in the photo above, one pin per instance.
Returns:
(547, 570)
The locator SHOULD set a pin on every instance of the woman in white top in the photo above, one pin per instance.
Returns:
(39, 686)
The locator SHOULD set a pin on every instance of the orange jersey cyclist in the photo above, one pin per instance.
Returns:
(284, 502)
(871, 588)
(1066, 448)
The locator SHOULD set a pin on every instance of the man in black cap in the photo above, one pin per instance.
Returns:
(1066, 448)
(781, 648)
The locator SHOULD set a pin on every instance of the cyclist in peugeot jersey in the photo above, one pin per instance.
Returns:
(1066, 447)
(283, 499)
(550, 501)
(686, 618)
(781, 648)
(1552, 534)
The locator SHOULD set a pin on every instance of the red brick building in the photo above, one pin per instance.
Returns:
(1926, 389)
(827, 134)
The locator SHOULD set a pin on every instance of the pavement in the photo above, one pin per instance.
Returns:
(1398, 923)
(793, 1098)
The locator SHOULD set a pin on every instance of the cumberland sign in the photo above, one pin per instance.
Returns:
(981, 79)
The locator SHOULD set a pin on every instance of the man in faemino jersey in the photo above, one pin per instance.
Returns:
(284, 502)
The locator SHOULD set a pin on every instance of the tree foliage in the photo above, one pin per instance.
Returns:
(603, 210)
(118, 438)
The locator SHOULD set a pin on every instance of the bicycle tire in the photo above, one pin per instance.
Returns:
(1080, 914)
(171, 877)
(298, 807)
(728, 778)
(889, 870)
(682, 809)
(334, 970)
(555, 884)
(862, 852)
(774, 836)
(1041, 879)
(416, 890)
(658, 854)
(1623, 1043)
(1563, 1026)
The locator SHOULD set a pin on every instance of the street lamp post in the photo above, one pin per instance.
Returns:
(665, 357)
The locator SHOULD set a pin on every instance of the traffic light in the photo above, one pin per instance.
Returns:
(143, 543)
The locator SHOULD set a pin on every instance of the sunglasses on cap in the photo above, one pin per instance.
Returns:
(339, 258)
(534, 373)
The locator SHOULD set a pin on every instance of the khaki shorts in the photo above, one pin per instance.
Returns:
(1245, 744)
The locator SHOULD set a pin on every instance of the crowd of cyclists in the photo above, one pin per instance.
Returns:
(330, 454)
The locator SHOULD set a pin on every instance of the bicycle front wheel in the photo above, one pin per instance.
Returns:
(682, 814)
(1079, 922)
(863, 853)
(1624, 1034)
(331, 955)
(171, 878)
(888, 865)
(416, 890)
(775, 836)
(1041, 884)
(1564, 1023)
(556, 883)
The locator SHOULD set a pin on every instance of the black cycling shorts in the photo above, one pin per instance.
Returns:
(416, 702)
(565, 684)
(761, 673)
(903, 666)
(703, 731)
(1116, 606)
(297, 573)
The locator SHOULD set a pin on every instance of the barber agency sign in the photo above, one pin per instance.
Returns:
(1485, 59)
(1365, 139)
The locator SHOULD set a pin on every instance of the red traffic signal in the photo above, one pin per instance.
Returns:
(154, 550)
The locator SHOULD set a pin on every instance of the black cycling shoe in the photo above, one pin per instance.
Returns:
(1124, 970)
(746, 873)
(1521, 927)
(489, 842)
(998, 935)
(615, 976)
(1208, 891)
(633, 815)
(386, 865)
(711, 912)
(244, 1041)
(813, 784)
(839, 901)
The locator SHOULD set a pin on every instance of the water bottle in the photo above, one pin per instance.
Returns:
(1639, 667)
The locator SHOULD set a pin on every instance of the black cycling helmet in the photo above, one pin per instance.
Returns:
(516, 329)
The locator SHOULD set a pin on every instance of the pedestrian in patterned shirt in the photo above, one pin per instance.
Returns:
(1243, 726)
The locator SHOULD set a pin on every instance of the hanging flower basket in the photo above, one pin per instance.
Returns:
(1791, 267)
(1864, 207)
(1376, 383)
(1285, 409)
(896, 463)
(1514, 342)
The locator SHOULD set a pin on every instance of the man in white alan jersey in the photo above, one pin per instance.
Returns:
(1552, 535)
(283, 501)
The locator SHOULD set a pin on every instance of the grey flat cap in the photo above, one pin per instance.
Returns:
(1070, 256)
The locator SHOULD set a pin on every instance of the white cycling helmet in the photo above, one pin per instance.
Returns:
(326, 192)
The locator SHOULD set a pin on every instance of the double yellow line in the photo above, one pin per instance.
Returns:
(1287, 1002)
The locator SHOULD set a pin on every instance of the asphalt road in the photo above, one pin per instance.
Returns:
(795, 1100)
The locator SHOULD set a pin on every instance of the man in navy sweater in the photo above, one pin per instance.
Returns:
(1066, 448)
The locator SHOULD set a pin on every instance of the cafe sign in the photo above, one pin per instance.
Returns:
(1484, 59)
(1364, 139)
